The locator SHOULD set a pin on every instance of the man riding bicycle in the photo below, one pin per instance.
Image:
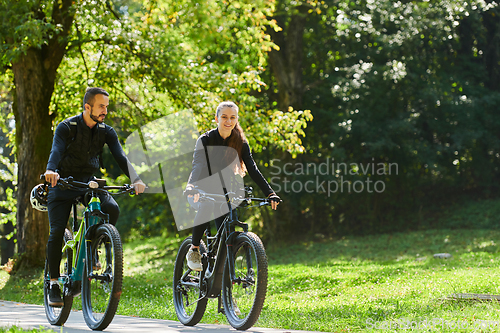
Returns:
(76, 151)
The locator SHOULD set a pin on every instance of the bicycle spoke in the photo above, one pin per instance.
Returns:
(59, 315)
(189, 303)
(102, 287)
(244, 296)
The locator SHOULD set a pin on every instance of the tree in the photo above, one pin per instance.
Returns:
(406, 82)
(34, 40)
(286, 62)
(153, 56)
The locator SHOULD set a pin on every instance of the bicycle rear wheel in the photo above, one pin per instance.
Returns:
(188, 301)
(244, 297)
(102, 288)
(58, 315)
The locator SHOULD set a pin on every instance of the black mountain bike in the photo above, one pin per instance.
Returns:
(93, 241)
(234, 270)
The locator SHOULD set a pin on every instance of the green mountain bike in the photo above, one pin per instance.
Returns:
(234, 270)
(92, 260)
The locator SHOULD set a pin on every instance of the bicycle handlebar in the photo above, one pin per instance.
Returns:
(96, 185)
(239, 201)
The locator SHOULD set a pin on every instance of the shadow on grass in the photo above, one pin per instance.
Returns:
(387, 249)
(24, 287)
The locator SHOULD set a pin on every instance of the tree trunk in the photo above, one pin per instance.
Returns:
(286, 63)
(34, 78)
(286, 66)
(33, 140)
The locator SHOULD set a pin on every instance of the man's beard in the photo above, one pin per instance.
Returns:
(94, 118)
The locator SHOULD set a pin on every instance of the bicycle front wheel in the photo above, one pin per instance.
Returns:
(243, 297)
(189, 302)
(58, 315)
(102, 288)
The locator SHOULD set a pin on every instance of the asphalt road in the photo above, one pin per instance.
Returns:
(30, 316)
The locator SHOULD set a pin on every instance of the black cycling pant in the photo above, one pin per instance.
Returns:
(204, 213)
(59, 207)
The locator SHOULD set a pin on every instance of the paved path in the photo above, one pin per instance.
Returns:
(33, 316)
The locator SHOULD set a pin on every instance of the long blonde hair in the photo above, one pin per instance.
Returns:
(237, 137)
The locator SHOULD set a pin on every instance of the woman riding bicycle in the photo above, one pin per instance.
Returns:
(227, 134)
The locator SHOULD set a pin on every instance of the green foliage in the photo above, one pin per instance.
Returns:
(481, 214)
(145, 216)
(8, 172)
(8, 205)
(23, 26)
(156, 58)
(408, 83)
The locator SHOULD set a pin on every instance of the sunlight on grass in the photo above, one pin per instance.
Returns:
(348, 284)
(4, 277)
(15, 329)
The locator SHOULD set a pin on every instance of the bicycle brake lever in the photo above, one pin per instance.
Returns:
(130, 186)
(64, 185)
(205, 198)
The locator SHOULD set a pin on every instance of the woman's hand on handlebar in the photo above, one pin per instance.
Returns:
(275, 200)
(51, 177)
(139, 187)
(191, 191)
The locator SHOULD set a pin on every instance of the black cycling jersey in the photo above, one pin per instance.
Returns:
(77, 154)
(213, 138)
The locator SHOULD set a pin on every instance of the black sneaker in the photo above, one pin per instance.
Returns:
(55, 299)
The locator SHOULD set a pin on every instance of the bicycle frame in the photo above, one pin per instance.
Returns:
(77, 245)
(224, 252)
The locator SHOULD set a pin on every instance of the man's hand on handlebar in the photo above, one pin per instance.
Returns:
(139, 187)
(51, 177)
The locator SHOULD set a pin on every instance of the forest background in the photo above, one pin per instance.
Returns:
(402, 96)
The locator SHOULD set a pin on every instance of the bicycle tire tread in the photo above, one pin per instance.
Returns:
(68, 300)
(117, 280)
(261, 289)
(202, 303)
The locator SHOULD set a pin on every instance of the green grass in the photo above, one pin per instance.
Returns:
(348, 284)
(15, 329)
